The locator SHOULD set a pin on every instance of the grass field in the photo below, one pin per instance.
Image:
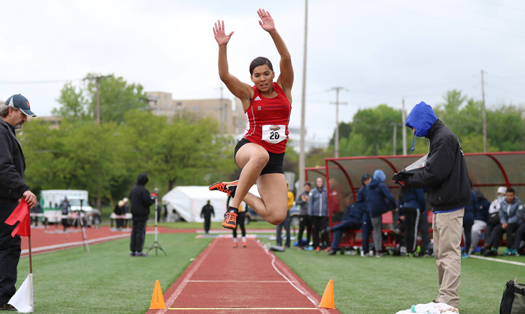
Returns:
(108, 280)
(392, 283)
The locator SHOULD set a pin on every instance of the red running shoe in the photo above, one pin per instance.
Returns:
(235, 245)
(230, 220)
(226, 187)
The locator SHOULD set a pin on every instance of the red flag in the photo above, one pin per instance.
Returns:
(21, 213)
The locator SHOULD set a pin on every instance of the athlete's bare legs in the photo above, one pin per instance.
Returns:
(273, 203)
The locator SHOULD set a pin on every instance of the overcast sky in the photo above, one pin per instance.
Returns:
(379, 50)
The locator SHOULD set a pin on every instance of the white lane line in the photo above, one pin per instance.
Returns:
(187, 277)
(306, 294)
(73, 244)
(497, 260)
(240, 281)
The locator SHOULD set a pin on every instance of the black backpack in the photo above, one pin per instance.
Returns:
(513, 301)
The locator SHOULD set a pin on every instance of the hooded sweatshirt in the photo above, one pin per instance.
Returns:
(379, 200)
(318, 202)
(445, 173)
(511, 213)
(140, 199)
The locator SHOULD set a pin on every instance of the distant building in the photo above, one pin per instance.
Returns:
(232, 120)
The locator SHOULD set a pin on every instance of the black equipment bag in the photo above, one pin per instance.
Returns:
(513, 301)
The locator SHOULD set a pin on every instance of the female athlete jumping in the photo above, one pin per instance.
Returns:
(260, 153)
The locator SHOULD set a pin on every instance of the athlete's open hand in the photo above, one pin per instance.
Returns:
(220, 34)
(266, 21)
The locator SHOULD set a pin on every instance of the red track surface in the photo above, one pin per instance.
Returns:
(53, 238)
(242, 280)
(220, 280)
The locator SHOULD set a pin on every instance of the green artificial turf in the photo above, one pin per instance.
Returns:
(106, 279)
(392, 283)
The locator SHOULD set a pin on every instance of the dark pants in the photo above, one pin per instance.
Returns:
(241, 217)
(138, 233)
(338, 230)
(518, 236)
(207, 222)
(9, 253)
(467, 236)
(120, 223)
(498, 231)
(279, 231)
(489, 233)
(367, 229)
(412, 226)
(304, 223)
(320, 223)
(423, 229)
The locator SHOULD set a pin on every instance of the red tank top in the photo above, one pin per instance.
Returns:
(268, 120)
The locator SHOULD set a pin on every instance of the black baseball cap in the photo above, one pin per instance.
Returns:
(20, 102)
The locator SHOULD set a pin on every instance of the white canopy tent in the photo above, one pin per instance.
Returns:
(187, 201)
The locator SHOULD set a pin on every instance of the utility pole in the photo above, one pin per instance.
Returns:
(302, 162)
(97, 94)
(337, 89)
(483, 113)
(403, 127)
(220, 110)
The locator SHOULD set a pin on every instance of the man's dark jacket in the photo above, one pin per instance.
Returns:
(12, 164)
(140, 199)
(445, 172)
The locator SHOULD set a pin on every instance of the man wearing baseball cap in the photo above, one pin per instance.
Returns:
(12, 188)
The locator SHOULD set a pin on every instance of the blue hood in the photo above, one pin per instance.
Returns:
(421, 118)
(379, 175)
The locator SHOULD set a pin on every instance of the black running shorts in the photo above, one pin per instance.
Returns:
(274, 165)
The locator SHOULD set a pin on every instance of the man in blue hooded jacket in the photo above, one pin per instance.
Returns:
(379, 200)
(446, 176)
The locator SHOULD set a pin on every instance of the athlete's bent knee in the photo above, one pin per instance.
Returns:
(260, 160)
(277, 218)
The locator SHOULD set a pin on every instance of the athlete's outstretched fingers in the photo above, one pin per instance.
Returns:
(274, 194)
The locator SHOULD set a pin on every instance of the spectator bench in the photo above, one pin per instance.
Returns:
(127, 219)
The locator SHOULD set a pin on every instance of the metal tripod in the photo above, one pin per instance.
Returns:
(156, 244)
(78, 218)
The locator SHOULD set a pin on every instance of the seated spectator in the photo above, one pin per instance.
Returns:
(510, 216)
(468, 221)
(353, 217)
(411, 204)
(492, 223)
(119, 211)
(520, 234)
(481, 216)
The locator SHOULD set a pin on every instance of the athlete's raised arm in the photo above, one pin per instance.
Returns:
(285, 79)
(239, 89)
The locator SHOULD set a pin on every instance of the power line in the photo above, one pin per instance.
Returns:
(40, 82)
(481, 14)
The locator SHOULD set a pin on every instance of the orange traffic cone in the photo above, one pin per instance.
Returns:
(157, 300)
(327, 301)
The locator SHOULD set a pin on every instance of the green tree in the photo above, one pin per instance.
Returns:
(72, 101)
(117, 97)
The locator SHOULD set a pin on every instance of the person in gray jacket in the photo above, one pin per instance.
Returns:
(318, 212)
(510, 216)
(304, 220)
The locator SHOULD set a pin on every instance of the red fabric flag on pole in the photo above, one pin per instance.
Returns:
(21, 213)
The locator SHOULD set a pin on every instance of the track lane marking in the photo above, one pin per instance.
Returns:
(497, 260)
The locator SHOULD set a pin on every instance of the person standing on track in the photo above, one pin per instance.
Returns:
(13, 187)
(260, 153)
(304, 219)
(206, 212)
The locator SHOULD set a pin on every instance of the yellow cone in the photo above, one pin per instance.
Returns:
(157, 300)
(327, 301)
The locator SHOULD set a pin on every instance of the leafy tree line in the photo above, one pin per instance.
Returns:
(370, 132)
(106, 158)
